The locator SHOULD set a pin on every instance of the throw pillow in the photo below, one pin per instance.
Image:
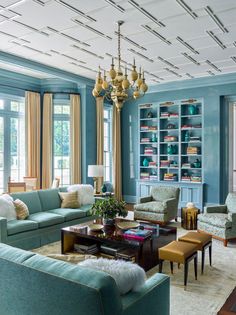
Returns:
(128, 276)
(69, 200)
(22, 211)
(72, 258)
(7, 209)
(85, 193)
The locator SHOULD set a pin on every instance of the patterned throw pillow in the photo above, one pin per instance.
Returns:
(69, 200)
(22, 211)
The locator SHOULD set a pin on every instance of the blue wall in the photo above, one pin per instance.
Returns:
(214, 126)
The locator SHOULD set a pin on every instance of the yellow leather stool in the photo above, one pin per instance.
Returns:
(181, 253)
(202, 241)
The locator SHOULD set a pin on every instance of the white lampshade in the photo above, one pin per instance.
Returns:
(95, 170)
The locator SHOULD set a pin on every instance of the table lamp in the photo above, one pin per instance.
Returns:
(95, 171)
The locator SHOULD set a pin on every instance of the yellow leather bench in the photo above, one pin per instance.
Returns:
(181, 253)
(202, 241)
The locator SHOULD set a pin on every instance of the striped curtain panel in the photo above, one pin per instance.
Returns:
(75, 139)
(33, 121)
(47, 141)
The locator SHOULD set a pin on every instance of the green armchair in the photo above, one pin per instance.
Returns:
(220, 221)
(160, 206)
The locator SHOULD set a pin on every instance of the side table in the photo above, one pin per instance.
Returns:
(189, 218)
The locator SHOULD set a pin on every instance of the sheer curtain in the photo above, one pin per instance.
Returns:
(116, 154)
(100, 136)
(33, 121)
(75, 139)
(47, 141)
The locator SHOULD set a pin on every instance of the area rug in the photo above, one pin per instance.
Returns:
(204, 296)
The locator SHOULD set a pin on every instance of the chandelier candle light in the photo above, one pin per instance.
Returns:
(119, 88)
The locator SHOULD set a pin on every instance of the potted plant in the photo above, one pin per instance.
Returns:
(108, 209)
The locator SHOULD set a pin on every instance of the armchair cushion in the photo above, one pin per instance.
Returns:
(145, 199)
(164, 192)
(216, 209)
(217, 219)
(152, 206)
(231, 202)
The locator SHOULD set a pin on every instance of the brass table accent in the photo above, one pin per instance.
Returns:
(189, 218)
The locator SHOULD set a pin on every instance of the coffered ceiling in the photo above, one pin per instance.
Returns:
(171, 39)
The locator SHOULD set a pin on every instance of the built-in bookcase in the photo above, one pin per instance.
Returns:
(171, 146)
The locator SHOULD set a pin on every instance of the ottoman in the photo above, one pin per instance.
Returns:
(202, 241)
(181, 253)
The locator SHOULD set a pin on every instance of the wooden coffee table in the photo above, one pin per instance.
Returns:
(145, 251)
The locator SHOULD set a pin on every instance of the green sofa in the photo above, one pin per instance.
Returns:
(34, 284)
(45, 221)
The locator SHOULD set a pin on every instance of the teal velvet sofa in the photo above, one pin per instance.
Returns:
(34, 284)
(45, 221)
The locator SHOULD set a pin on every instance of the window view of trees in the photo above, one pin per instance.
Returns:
(61, 141)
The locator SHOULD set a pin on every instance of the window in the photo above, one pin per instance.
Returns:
(61, 140)
(12, 139)
(107, 143)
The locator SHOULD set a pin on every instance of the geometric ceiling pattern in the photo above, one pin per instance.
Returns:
(171, 39)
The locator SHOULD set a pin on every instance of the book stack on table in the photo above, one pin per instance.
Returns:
(86, 248)
(137, 234)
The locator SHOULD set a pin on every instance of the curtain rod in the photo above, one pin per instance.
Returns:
(48, 92)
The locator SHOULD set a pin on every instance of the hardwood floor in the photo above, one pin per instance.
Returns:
(229, 308)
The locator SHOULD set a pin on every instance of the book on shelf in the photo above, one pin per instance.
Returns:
(127, 254)
(153, 177)
(110, 249)
(86, 249)
(170, 177)
(145, 140)
(170, 139)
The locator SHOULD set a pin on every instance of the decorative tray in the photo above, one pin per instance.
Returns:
(95, 227)
(127, 225)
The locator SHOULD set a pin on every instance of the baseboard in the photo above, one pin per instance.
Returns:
(129, 198)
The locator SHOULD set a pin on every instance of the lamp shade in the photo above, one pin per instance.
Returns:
(95, 171)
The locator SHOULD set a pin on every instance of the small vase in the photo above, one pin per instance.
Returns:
(192, 110)
(104, 188)
(145, 162)
(107, 221)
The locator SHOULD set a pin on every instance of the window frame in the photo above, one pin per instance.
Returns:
(60, 100)
(7, 114)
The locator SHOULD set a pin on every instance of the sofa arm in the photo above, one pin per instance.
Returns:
(3, 229)
(170, 202)
(152, 299)
(145, 199)
(215, 209)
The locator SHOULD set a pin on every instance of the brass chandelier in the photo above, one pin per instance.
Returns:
(120, 88)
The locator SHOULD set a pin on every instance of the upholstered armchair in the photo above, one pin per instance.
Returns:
(220, 221)
(160, 206)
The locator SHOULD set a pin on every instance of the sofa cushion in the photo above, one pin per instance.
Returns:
(19, 226)
(49, 199)
(152, 206)
(7, 209)
(69, 200)
(14, 254)
(46, 218)
(31, 199)
(69, 214)
(85, 193)
(216, 219)
(22, 211)
(128, 276)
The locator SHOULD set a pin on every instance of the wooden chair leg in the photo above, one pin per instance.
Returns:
(203, 259)
(160, 265)
(195, 267)
(210, 254)
(178, 265)
(185, 274)
(225, 243)
(172, 267)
